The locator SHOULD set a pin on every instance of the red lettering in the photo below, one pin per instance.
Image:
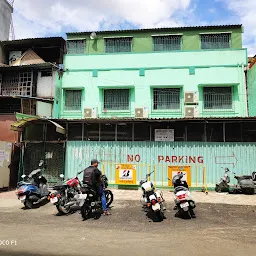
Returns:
(174, 159)
(180, 159)
(160, 158)
(137, 158)
(192, 159)
(130, 158)
(200, 160)
(167, 159)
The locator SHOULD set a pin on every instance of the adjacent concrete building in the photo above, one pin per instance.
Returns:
(6, 10)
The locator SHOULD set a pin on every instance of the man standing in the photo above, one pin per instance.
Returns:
(92, 177)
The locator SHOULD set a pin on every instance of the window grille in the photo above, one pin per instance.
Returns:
(73, 99)
(117, 99)
(76, 46)
(166, 43)
(166, 98)
(217, 97)
(216, 41)
(118, 45)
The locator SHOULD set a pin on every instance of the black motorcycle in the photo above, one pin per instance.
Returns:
(90, 200)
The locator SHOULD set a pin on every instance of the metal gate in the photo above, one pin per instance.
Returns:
(53, 155)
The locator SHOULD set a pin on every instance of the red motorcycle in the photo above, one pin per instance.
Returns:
(66, 198)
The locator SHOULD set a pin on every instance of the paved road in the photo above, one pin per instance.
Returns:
(218, 230)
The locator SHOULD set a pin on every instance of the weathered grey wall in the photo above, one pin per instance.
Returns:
(5, 19)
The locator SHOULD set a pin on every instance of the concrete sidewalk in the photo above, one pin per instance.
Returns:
(9, 199)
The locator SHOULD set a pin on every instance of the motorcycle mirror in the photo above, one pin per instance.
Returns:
(41, 163)
(62, 176)
(23, 176)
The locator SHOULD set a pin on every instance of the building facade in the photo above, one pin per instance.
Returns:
(163, 73)
(6, 11)
(154, 99)
(29, 75)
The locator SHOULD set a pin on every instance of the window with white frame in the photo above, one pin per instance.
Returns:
(166, 99)
(217, 98)
(73, 100)
(123, 44)
(76, 46)
(116, 99)
(215, 41)
(167, 43)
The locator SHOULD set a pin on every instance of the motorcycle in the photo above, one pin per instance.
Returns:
(152, 200)
(183, 200)
(223, 184)
(34, 192)
(68, 196)
(90, 201)
(246, 184)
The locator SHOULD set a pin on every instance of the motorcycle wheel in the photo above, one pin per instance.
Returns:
(28, 204)
(61, 206)
(109, 197)
(86, 211)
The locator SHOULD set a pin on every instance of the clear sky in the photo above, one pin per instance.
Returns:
(43, 18)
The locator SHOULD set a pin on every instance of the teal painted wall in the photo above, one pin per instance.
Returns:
(213, 155)
(165, 69)
(251, 81)
(142, 41)
(58, 97)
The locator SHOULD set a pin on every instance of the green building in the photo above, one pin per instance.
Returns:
(155, 73)
(155, 98)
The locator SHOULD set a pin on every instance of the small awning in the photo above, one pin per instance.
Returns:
(19, 125)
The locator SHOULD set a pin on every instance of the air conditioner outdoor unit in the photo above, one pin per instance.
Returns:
(141, 112)
(90, 113)
(191, 97)
(192, 111)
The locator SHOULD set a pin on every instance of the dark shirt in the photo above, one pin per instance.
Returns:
(94, 173)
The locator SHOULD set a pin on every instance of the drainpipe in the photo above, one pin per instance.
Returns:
(245, 89)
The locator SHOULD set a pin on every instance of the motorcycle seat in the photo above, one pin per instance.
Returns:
(59, 187)
(180, 188)
(22, 183)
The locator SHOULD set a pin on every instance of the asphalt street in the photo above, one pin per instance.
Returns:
(218, 230)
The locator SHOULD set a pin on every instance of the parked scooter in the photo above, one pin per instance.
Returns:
(90, 202)
(151, 199)
(223, 184)
(34, 192)
(246, 184)
(182, 198)
(66, 198)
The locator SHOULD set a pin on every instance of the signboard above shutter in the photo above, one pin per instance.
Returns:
(164, 135)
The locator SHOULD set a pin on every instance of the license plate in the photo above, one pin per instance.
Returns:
(22, 198)
(184, 205)
(156, 207)
(54, 200)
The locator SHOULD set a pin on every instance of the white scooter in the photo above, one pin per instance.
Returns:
(183, 200)
(151, 199)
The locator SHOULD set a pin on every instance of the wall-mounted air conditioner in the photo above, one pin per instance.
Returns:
(141, 112)
(90, 113)
(191, 111)
(191, 97)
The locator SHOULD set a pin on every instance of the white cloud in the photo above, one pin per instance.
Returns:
(245, 13)
(40, 18)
